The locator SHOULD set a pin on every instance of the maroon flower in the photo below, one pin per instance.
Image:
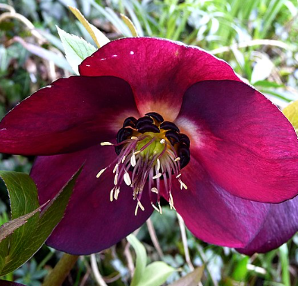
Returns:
(183, 127)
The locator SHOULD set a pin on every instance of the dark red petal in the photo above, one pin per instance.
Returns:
(159, 71)
(9, 283)
(279, 226)
(70, 114)
(91, 222)
(214, 215)
(243, 141)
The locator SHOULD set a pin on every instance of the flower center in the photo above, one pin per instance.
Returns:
(150, 150)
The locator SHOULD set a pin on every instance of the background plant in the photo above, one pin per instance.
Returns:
(257, 37)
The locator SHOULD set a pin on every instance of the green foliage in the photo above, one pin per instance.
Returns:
(154, 274)
(28, 230)
(235, 30)
(76, 49)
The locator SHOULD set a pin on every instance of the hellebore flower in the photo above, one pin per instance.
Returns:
(181, 125)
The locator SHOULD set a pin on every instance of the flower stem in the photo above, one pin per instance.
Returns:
(61, 270)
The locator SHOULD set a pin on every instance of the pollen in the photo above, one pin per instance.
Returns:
(149, 152)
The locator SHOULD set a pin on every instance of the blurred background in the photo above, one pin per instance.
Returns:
(259, 38)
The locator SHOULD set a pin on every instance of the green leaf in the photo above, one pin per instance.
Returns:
(27, 239)
(156, 274)
(9, 227)
(76, 49)
(23, 200)
(192, 278)
(141, 259)
(291, 112)
(267, 84)
(240, 271)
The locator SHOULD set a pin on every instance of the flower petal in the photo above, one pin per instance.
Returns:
(68, 115)
(159, 71)
(243, 141)
(9, 283)
(91, 222)
(279, 226)
(214, 215)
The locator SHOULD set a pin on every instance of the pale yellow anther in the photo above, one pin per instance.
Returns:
(115, 168)
(177, 159)
(116, 179)
(123, 159)
(162, 141)
(100, 173)
(158, 165)
(182, 185)
(116, 193)
(133, 137)
(137, 152)
(139, 205)
(106, 144)
(111, 194)
(157, 176)
(179, 175)
(133, 161)
(127, 179)
(154, 190)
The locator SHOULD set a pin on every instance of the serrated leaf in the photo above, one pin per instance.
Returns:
(9, 227)
(156, 274)
(23, 200)
(76, 49)
(192, 278)
(141, 259)
(98, 37)
(22, 249)
(291, 112)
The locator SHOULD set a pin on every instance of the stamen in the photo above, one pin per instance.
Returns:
(150, 151)
(157, 176)
(116, 179)
(139, 205)
(155, 207)
(160, 209)
(127, 179)
(111, 194)
(115, 168)
(133, 161)
(158, 165)
(171, 201)
(116, 193)
(182, 185)
(100, 173)
(106, 144)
